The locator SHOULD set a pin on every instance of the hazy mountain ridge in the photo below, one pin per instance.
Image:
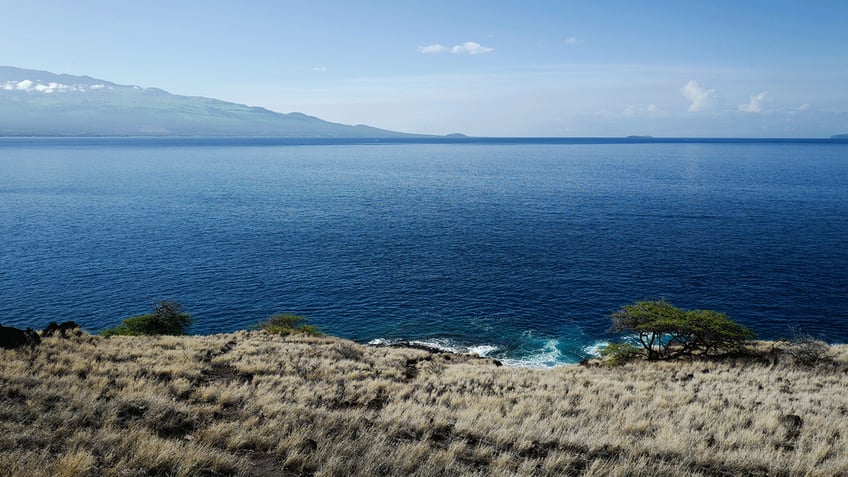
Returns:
(39, 103)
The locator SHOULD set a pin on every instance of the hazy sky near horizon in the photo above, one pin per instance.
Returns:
(743, 68)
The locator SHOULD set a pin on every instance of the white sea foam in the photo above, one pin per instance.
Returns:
(594, 349)
(441, 344)
(482, 350)
(547, 355)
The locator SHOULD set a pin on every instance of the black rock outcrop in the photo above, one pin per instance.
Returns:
(11, 338)
(62, 330)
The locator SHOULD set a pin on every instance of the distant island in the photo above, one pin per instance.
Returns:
(40, 103)
(839, 136)
(639, 137)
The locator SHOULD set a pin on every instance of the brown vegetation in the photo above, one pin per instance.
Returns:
(262, 404)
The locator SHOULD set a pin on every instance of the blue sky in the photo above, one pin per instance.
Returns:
(490, 68)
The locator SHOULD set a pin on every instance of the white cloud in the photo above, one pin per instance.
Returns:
(30, 86)
(788, 110)
(53, 87)
(700, 98)
(472, 48)
(641, 110)
(755, 105)
(320, 69)
(469, 48)
(437, 48)
(573, 41)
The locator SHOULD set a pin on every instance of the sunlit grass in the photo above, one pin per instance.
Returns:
(254, 403)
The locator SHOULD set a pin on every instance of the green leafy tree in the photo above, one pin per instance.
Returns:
(665, 331)
(282, 324)
(168, 318)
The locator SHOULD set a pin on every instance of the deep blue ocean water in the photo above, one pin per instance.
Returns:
(516, 248)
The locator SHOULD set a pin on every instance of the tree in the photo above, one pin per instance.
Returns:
(665, 331)
(282, 324)
(167, 318)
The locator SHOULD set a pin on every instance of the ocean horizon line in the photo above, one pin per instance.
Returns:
(449, 139)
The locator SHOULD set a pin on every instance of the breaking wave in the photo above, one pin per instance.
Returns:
(538, 353)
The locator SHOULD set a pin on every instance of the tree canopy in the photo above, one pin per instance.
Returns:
(665, 331)
(283, 324)
(167, 318)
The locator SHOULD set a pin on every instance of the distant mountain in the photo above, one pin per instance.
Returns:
(839, 136)
(39, 103)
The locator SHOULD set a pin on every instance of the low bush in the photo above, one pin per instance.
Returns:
(167, 318)
(808, 351)
(617, 354)
(282, 324)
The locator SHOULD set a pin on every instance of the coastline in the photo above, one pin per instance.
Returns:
(252, 403)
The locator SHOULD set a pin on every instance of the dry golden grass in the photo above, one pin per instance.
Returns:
(260, 404)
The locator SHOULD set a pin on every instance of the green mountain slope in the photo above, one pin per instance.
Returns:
(39, 103)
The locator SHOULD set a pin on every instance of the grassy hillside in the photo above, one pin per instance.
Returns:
(260, 404)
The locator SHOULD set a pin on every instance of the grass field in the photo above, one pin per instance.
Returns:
(253, 403)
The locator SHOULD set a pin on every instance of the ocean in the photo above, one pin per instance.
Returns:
(519, 249)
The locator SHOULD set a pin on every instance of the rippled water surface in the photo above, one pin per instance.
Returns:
(520, 250)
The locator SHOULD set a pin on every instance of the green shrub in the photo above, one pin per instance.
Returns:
(665, 331)
(283, 324)
(167, 318)
(617, 354)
